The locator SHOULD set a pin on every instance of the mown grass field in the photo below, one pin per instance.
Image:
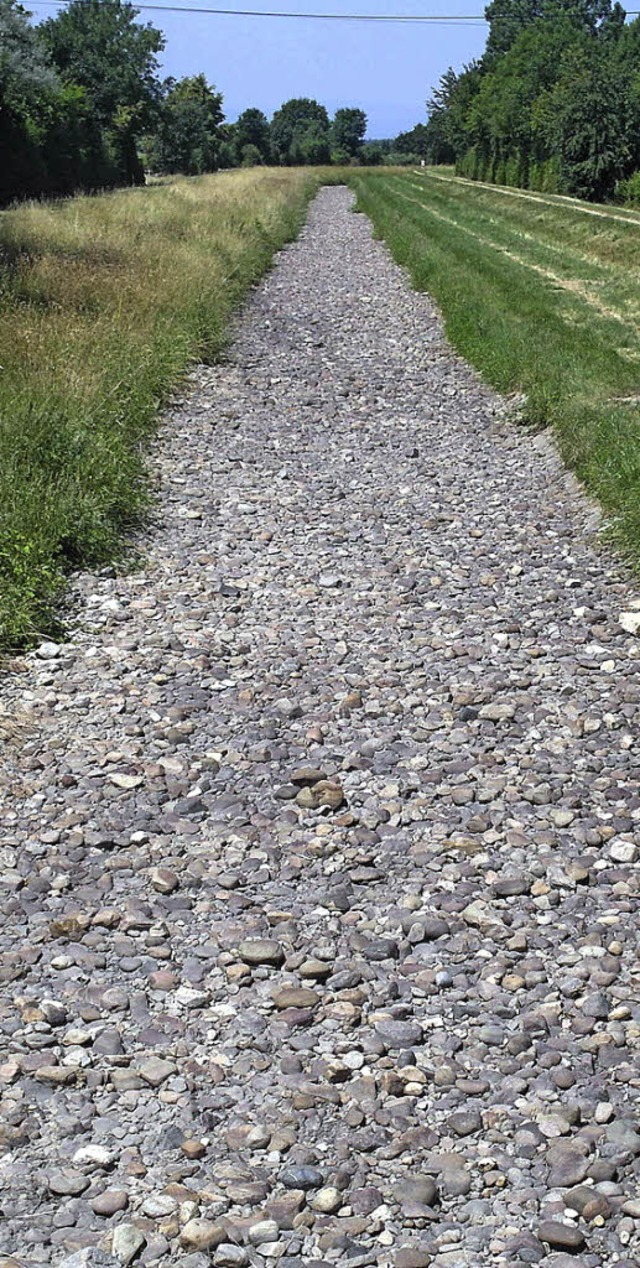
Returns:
(542, 295)
(104, 301)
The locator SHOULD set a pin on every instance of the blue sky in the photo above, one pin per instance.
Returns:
(387, 70)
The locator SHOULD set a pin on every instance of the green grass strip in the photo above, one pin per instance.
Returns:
(541, 300)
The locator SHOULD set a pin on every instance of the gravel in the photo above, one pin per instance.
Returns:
(319, 885)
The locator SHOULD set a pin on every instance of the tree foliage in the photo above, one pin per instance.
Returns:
(28, 87)
(554, 102)
(98, 46)
(189, 135)
(252, 129)
(82, 107)
(298, 129)
(76, 93)
(348, 132)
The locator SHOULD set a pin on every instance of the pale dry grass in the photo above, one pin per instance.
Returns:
(103, 302)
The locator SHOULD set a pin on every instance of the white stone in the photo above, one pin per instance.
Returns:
(630, 622)
(94, 1156)
(623, 851)
(127, 1241)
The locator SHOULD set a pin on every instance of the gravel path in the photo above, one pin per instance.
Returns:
(320, 857)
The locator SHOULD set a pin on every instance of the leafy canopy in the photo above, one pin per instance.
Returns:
(348, 130)
(189, 136)
(98, 45)
(289, 125)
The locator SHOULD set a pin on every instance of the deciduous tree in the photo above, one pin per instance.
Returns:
(189, 136)
(296, 119)
(348, 131)
(98, 46)
(252, 128)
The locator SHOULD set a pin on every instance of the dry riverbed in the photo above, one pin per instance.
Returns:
(320, 851)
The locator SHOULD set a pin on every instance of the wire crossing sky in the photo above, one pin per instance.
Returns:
(354, 54)
(315, 17)
(436, 18)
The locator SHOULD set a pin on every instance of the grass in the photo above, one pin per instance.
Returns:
(542, 295)
(104, 302)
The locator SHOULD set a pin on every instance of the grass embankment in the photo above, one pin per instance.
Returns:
(542, 295)
(104, 301)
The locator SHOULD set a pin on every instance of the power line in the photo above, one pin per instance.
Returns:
(434, 19)
(402, 19)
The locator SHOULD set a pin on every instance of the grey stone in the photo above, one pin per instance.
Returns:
(261, 951)
(415, 790)
(400, 1034)
(302, 1178)
(561, 1236)
(127, 1243)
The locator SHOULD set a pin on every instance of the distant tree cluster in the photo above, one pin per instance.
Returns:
(82, 107)
(406, 150)
(299, 133)
(553, 103)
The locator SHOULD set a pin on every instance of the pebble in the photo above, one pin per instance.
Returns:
(109, 1202)
(229, 1256)
(327, 1200)
(201, 1234)
(400, 1034)
(319, 900)
(261, 951)
(127, 1242)
(264, 1231)
(302, 1178)
(561, 1236)
(87, 1257)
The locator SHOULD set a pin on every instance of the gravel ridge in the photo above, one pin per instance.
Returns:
(319, 866)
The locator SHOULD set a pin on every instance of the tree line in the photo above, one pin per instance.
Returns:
(83, 107)
(553, 103)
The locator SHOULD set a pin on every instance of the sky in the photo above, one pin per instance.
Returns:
(387, 70)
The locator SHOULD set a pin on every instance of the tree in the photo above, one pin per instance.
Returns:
(592, 118)
(414, 142)
(503, 119)
(250, 156)
(626, 58)
(348, 131)
(554, 103)
(451, 103)
(289, 125)
(25, 72)
(98, 46)
(252, 128)
(27, 88)
(509, 18)
(189, 137)
(312, 147)
(437, 145)
(373, 153)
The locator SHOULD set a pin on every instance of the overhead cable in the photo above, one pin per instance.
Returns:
(443, 19)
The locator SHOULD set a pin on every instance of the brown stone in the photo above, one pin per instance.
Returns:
(295, 997)
(193, 1149)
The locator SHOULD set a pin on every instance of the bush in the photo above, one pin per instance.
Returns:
(628, 191)
(250, 156)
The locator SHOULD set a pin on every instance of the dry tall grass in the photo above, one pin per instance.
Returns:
(103, 303)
